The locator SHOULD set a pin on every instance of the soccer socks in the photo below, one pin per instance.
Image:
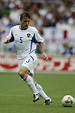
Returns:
(41, 92)
(35, 87)
(31, 84)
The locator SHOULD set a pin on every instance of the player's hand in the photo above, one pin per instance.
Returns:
(6, 41)
(45, 56)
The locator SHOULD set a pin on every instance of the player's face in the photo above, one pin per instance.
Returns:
(24, 23)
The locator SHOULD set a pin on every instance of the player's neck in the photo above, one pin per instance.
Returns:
(23, 28)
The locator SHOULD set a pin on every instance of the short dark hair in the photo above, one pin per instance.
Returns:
(24, 14)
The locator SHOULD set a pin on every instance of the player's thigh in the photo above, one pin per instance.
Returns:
(23, 69)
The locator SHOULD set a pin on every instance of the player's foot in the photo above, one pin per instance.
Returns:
(35, 97)
(48, 101)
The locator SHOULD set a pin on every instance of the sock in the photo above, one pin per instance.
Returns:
(28, 79)
(41, 92)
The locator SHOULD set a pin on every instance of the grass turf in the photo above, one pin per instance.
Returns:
(16, 97)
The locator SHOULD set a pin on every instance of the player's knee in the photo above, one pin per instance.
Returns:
(21, 73)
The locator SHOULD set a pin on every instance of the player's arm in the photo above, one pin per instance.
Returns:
(40, 41)
(10, 37)
(41, 45)
(6, 41)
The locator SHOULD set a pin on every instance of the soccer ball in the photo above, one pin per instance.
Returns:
(67, 101)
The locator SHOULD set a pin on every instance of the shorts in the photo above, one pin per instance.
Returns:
(29, 62)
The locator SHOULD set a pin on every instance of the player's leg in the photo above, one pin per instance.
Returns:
(28, 79)
(28, 67)
(47, 99)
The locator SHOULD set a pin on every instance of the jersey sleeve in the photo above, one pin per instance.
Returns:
(10, 35)
(38, 36)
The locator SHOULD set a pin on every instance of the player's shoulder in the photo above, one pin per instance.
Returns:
(32, 28)
(15, 27)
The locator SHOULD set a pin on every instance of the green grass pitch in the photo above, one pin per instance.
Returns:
(16, 97)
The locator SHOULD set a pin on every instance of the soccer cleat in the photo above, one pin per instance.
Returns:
(48, 101)
(35, 97)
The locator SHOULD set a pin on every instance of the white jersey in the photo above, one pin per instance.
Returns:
(24, 40)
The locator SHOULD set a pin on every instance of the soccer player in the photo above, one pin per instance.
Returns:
(25, 38)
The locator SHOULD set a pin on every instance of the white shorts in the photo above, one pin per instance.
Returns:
(29, 62)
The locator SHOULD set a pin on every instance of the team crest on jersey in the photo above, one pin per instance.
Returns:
(28, 35)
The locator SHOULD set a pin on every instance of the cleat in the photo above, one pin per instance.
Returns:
(48, 101)
(35, 97)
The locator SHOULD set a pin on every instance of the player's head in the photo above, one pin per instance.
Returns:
(25, 14)
(24, 19)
